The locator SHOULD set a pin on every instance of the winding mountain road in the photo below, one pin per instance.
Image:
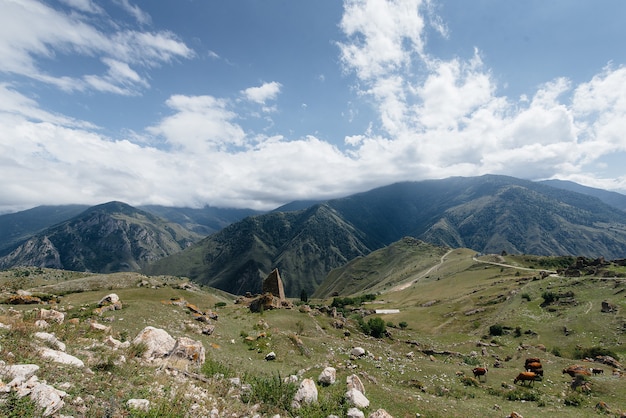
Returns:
(403, 286)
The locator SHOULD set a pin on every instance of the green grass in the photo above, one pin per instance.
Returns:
(398, 375)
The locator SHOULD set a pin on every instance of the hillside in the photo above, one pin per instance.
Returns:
(17, 227)
(304, 245)
(469, 312)
(488, 214)
(105, 238)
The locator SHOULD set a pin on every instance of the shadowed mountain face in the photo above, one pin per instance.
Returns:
(488, 214)
(105, 238)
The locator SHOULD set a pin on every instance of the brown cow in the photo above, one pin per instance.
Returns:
(525, 377)
(576, 370)
(532, 360)
(480, 371)
(535, 367)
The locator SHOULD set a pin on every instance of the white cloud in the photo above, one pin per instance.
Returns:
(142, 17)
(263, 93)
(436, 118)
(200, 124)
(31, 31)
(87, 6)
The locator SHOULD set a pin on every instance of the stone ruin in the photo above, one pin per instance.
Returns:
(272, 296)
(274, 285)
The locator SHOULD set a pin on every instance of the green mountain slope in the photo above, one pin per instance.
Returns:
(105, 238)
(304, 245)
(487, 214)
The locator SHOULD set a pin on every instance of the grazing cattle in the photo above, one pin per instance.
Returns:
(576, 370)
(532, 360)
(480, 371)
(525, 377)
(597, 371)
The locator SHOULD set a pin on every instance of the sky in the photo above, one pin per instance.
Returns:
(256, 103)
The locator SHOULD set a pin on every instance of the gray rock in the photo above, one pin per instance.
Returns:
(356, 398)
(306, 394)
(355, 413)
(328, 376)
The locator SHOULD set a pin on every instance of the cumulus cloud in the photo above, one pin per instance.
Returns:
(262, 93)
(435, 118)
(31, 31)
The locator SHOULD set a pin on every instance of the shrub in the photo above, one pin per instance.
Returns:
(403, 325)
(593, 352)
(526, 296)
(212, 368)
(548, 297)
(377, 327)
(471, 361)
(496, 330)
(220, 305)
(574, 399)
(556, 351)
(272, 392)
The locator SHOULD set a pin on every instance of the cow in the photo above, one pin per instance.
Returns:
(597, 371)
(535, 367)
(576, 370)
(480, 371)
(525, 377)
(532, 360)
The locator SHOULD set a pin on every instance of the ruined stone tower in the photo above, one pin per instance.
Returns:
(274, 285)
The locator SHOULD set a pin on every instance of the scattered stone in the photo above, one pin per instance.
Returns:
(380, 413)
(23, 300)
(354, 382)
(138, 404)
(60, 357)
(306, 394)
(158, 342)
(356, 398)
(357, 352)
(99, 327)
(608, 307)
(50, 315)
(188, 349)
(109, 299)
(50, 339)
(48, 398)
(355, 413)
(19, 373)
(328, 376)
(270, 356)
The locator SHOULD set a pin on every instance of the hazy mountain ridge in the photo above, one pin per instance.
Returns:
(15, 228)
(487, 213)
(105, 238)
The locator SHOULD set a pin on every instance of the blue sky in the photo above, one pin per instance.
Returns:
(258, 103)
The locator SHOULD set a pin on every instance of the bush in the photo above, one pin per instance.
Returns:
(377, 327)
(403, 325)
(496, 330)
(526, 296)
(549, 297)
(274, 394)
(593, 352)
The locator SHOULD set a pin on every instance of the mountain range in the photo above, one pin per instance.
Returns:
(489, 214)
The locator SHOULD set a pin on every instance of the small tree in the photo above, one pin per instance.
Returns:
(304, 297)
(377, 327)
